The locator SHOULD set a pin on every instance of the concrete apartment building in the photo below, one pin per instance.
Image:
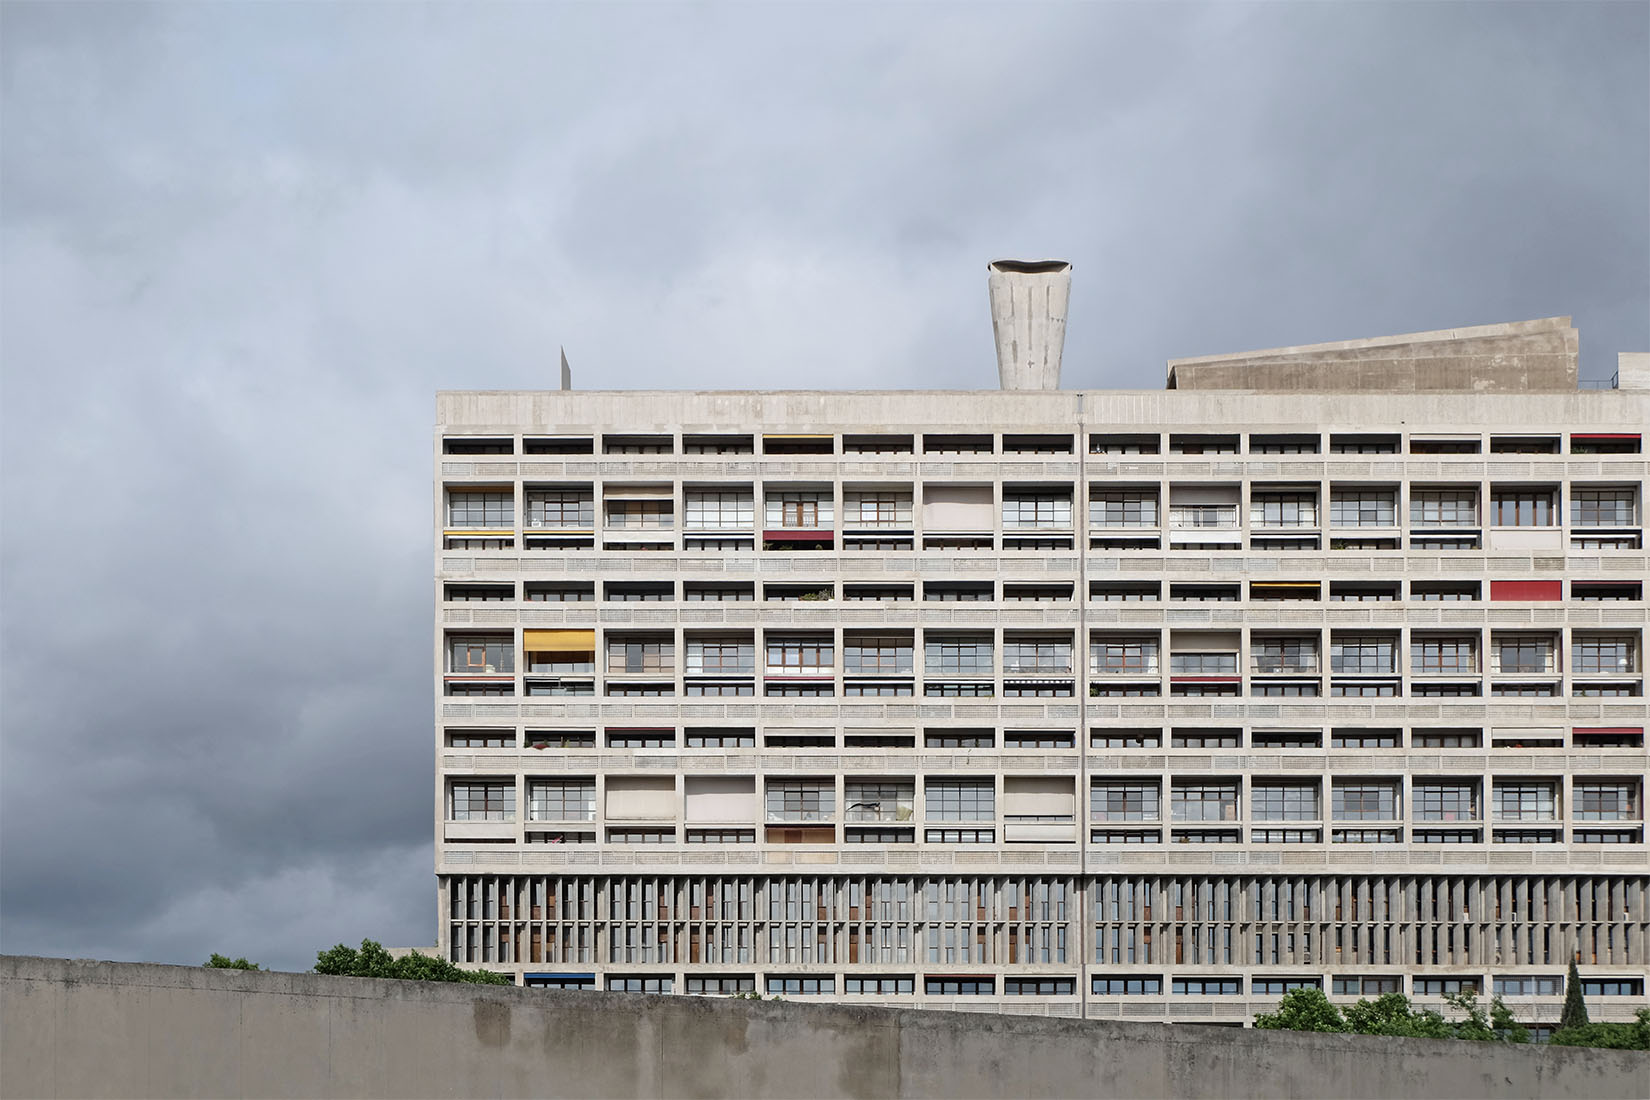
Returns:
(1322, 665)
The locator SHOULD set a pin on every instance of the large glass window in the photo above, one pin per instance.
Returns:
(1524, 653)
(561, 800)
(1365, 801)
(1283, 509)
(1443, 508)
(957, 655)
(721, 509)
(960, 799)
(1603, 508)
(1362, 654)
(1524, 508)
(645, 514)
(721, 656)
(1518, 801)
(1126, 656)
(810, 511)
(1447, 654)
(640, 654)
(1363, 508)
(1604, 653)
(481, 654)
(1293, 801)
(1615, 800)
(864, 508)
(1278, 655)
(1440, 800)
(481, 508)
(1123, 508)
(815, 653)
(879, 799)
(561, 508)
(1036, 509)
(1204, 800)
(481, 800)
(1124, 800)
(1028, 656)
(801, 800)
(877, 654)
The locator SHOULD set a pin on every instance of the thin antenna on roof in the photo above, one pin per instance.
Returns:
(566, 372)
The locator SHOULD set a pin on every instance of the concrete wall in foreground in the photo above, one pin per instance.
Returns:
(130, 1029)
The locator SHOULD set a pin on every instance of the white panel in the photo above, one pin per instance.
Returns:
(645, 797)
(1041, 795)
(958, 508)
(1526, 538)
(721, 798)
(1203, 494)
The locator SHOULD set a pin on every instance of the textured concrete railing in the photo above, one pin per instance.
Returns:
(131, 1029)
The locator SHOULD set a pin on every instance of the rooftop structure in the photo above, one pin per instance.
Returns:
(1119, 704)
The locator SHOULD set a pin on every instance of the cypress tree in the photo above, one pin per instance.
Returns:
(1575, 1009)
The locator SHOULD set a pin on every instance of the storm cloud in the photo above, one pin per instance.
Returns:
(245, 244)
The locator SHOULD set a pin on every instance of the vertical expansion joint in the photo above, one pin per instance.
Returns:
(1028, 319)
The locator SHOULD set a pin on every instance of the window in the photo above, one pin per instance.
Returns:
(1363, 444)
(1023, 509)
(1125, 593)
(1124, 800)
(1516, 801)
(723, 984)
(1366, 739)
(1437, 800)
(481, 800)
(954, 593)
(1523, 653)
(1205, 739)
(878, 984)
(1126, 656)
(568, 592)
(1036, 593)
(561, 800)
(863, 508)
(574, 508)
(1603, 508)
(1604, 653)
(1283, 509)
(1443, 590)
(1203, 515)
(479, 593)
(721, 656)
(1125, 739)
(639, 591)
(801, 800)
(1365, 801)
(877, 655)
(1437, 987)
(795, 984)
(792, 656)
(1354, 986)
(1126, 985)
(720, 509)
(1283, 656)
(640, 655)
(1443, 508)
(1203, 444)
(1284, 801)
(1283, 444)
(1448, 739)
(960, 799)
(959, 987)
(1203, 664)
(640, 983)
(879, 800)
(1039, 987)
(1214, 800)
(1283, 985)
(481, 654)
(1343, 591)
(481, 739)
(481, 508)
(876, 592)
(1363, 508)
(641, 739)
(806, 510)
(1616, 800)
(1125, 444)
(1207, 987)
(1123, 508)
(1365, 654)
(1286, 836)
(957, 655)
(1523, 507)
(959, 739)
(1032, 655)
(1448, 654)
(1612, 987)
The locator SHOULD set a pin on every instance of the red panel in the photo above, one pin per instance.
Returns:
(792, 535)
(1605, 730)
(1526, 590)
(1604, 435)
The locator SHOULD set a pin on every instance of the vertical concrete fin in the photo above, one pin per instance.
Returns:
(566, 372)
(1028, 318)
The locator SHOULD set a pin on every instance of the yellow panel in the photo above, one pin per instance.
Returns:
(1286, 584)
(826, 436)
(558, 641)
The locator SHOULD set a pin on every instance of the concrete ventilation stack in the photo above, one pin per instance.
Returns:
(1028, 318)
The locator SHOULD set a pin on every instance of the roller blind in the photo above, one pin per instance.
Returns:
(641, 797)
(721, 798)
(558, 641)
(1039, 796)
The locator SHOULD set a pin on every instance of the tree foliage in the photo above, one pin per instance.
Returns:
(1633, 1036)
(1392, 1014)
(372, 961)
(1575, 1008)
(1303, 1010)
(224, 962)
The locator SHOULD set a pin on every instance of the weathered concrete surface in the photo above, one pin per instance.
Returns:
(1028, 320)
(72, 1029)
(1518, 357)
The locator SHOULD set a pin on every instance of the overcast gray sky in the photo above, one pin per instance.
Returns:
(244, 244)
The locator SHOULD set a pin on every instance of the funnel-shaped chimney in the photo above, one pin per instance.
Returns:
(1028, 317)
